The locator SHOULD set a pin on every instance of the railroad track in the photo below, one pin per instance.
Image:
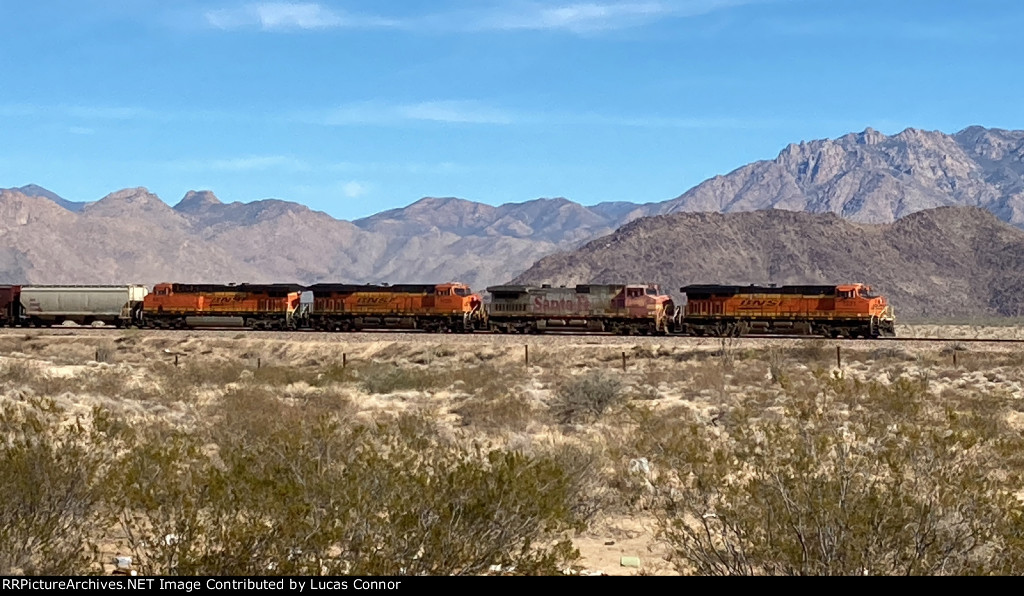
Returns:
(404, 332)
(953, 340)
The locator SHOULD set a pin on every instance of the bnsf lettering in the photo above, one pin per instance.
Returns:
(221, 300)
(757, 303)
(371, 300)
(580, 304)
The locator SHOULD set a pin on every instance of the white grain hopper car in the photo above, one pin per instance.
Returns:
(84, 305)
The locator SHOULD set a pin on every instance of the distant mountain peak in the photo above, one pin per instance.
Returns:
(197, 200)
(34, 190)
(128, 201)
(438, 203)
(131, 195)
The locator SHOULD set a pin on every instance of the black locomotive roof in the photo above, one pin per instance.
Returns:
(580, 289)
(271, 289)
(352, 288)
(698, 290)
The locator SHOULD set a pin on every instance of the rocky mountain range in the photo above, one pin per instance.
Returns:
(871, 177)
(132, 235)
(867, 177)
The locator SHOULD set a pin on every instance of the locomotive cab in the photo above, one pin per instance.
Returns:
(647, 301)
(460, 299)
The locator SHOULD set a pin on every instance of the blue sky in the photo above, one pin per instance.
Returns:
(352, 107)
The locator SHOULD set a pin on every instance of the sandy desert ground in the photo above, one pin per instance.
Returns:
(503, 390)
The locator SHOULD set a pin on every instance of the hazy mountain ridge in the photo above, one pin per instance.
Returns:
(34, 190)
(133, 236)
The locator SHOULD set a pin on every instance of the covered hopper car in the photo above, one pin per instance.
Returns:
(618, 308)
(256, 306)
(448, 307)
(849, 310)
(43, 306)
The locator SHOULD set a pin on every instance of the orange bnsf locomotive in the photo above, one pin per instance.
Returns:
(849, 310)
(439, 308)
(256, 306)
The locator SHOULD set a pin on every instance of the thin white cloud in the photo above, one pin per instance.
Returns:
(373, 113)
(380, 113)
(354, 189)
(289, 16)
(586, 17)
(575, 17)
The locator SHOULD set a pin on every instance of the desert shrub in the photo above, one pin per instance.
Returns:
(509, 411)
(713, 378)
(309, 494)
(49, 514)
(483, 379)
(105, 354)
(446, 514)
(812, 351)
(817, 494)
(25, 375)
(888, 353)
(777, 366)
(163, 485)
(645, 392)
(282, 375)
(389, 378)
(586, 397)
(108, 382)
(334, 373)
(191, 374)
(16, 373)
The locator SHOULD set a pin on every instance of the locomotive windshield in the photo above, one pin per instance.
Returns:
(462, 291)
(652, 291)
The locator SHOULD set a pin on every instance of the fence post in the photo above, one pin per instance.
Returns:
(839, 358)
(526, 354)
(175, 360)
(954, 358)
(623, 362)
(344, 360)
(259, 363)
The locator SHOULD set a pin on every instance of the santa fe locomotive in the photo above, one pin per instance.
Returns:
(849, 310)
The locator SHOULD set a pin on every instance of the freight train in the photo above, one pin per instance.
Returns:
(846, 311)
